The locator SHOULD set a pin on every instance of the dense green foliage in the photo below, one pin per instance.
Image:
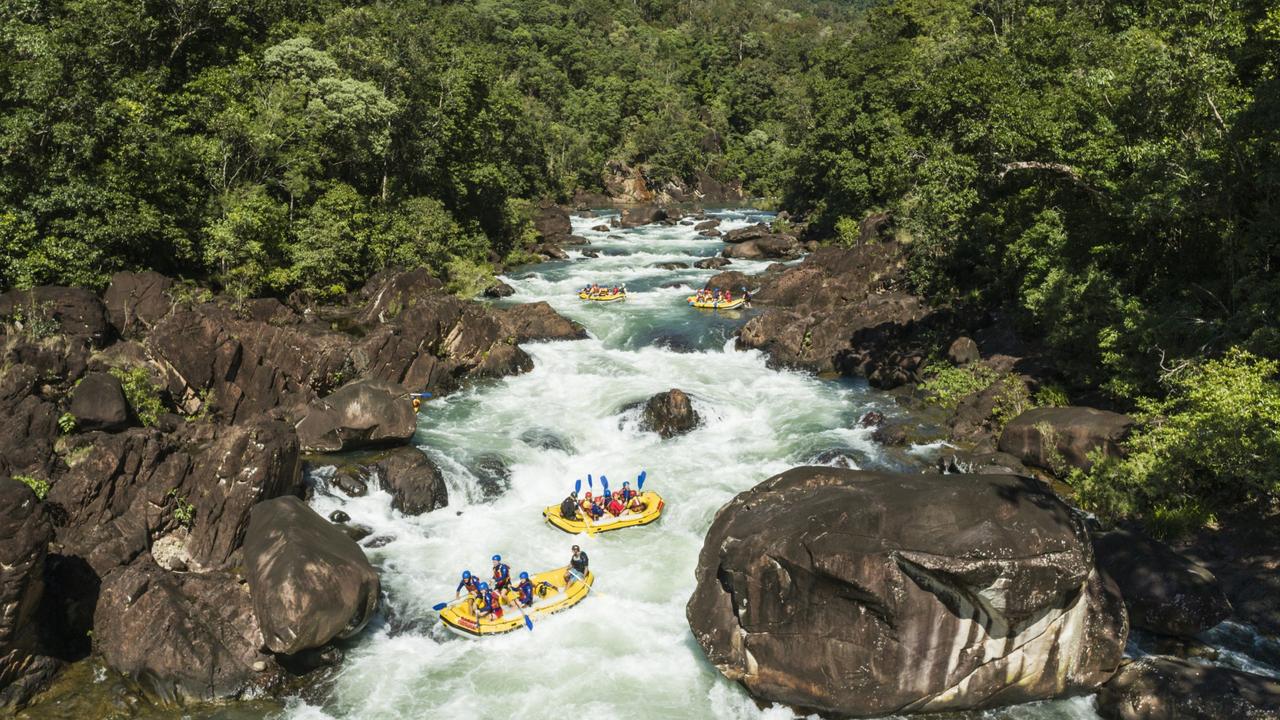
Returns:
(1111, 170)
(39, 486)
(272, 146)
(142, 394)
(1208, 449)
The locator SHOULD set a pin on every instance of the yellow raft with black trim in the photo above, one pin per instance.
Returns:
(733, 304)
(461, 618)
(653, 510)
(602, 298)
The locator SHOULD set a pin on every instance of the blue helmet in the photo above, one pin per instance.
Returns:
(497, 558)
(466, 574)
(626, 484)
(484, 586)
(608, 494)
(524, 576)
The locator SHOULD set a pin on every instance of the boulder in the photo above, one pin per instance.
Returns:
(1167, 688)
(360, 414)
(963, 351)
(499, 290)
(28, 423)
(963, 462)
(51, 309)
(669, 414)
(310, 583)
(604, 228)
(551, 252)
(866, 594)
(552, 223)
(1049, 437)
(642, 215)
(415, 483)
(711, 224)
(493, 475)
(25, 533)
(1165, 592)
(731, 280)
(713, 233)
(574, 240)
(714, 263)
(766, 247)
(752, 232)
(539, 321)
(136, 301)
(181, 636)
(98, 403)
(671, 265)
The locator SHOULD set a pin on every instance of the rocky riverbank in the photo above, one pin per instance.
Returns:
(151, 467)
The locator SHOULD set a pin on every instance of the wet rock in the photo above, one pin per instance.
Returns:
(891, 434)
(98, 403)
(360, 414)
(1165, 688)
(601, 228)
(671, 265)
(309, 582)
(574, 240)
(551, 252)
(590, 254)
(552, 223)
(710, 233)
(356, 531)
(136, 301)
(380, 542)
(492, 475)
(963, 351)
(714, 263)
(181, 636)
(499, 290)
(746, 234)
(339, 517)
(415, 483)
(545, 439)
(25, 533)
(642, 215)
(868, 594)
(1049, 437)
(351, 480)
(837, 458)
(76, 312)
(538, 321)
(871, 418)
(711, 224)
(1165, 592)
(669, 414)
(768, 247)
(974, 463)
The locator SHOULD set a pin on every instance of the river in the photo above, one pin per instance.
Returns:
(626, 652)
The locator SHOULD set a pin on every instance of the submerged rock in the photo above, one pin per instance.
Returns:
(869, 594)
(714, 263)
(1166, 688)
(545, 439)
(669, 414)
(1164, 591)
(492, 475)
(309, 581)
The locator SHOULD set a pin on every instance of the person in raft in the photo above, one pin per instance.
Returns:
(526, 590)
(626, 493)
(613, 504)
(586, 503)
(501, 574)
(487, 603)
(637, 505)
(469, 583)
(596, 510)
(577, 565)
(569, 506)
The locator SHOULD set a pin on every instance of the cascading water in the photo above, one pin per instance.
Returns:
(510, 448)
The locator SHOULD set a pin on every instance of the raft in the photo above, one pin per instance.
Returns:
(602, 298)
(733, 304)
(652, 512)
(461, 618)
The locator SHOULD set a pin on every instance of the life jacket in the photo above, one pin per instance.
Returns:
(501, 573)
(469, 584)
(526, 592)
(627, 493)
(568, 509)
(616, 507)
(596, 510)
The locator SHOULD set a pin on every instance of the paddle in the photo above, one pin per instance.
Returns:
(640, 480)
(527, 622)
(440, 606)
(589, 480)
(604, 483)
(577, 486)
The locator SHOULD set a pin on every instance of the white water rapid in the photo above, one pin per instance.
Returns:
(626, 651)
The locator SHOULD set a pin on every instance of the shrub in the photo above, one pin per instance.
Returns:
(1209, 448)
(39, 486)
(947, 385)
(67, 423)
(142, 394)
(468, 278)
(183, 512)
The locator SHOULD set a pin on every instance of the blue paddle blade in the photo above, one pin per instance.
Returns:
(604, 483)
(640, 480)
(589, 481)
(577, 485)
(528, 623)
(439, 606)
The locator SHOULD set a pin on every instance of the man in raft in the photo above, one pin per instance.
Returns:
(577, 565)
(569, 506)
(501, 574)
(469, 583)
(487, 603)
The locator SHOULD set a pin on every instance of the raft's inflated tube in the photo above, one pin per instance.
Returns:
(464, 620)
(602, 298)
(718, 305)
(652, 511)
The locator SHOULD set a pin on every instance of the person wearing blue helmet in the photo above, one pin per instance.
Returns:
(524, 590)
(487, 603)
(469, 583)
(626, 493)
(596, 509)
(501, 574)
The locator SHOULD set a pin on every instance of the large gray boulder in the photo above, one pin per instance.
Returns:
(360, 414)
(1167, 688)
(669, 414)
(642, 215)
(136, 301)
(25, 532)
(98, 403)
(1053, 436)
(868, 594)
(309, 581)
(415, 483)
(1164, 591)
(181, 636)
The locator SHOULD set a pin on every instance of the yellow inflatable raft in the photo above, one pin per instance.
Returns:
(653, 510)
(602, 298)
(733, 304)
(461, 617)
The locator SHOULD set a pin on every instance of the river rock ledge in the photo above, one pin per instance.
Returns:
(865, 594)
